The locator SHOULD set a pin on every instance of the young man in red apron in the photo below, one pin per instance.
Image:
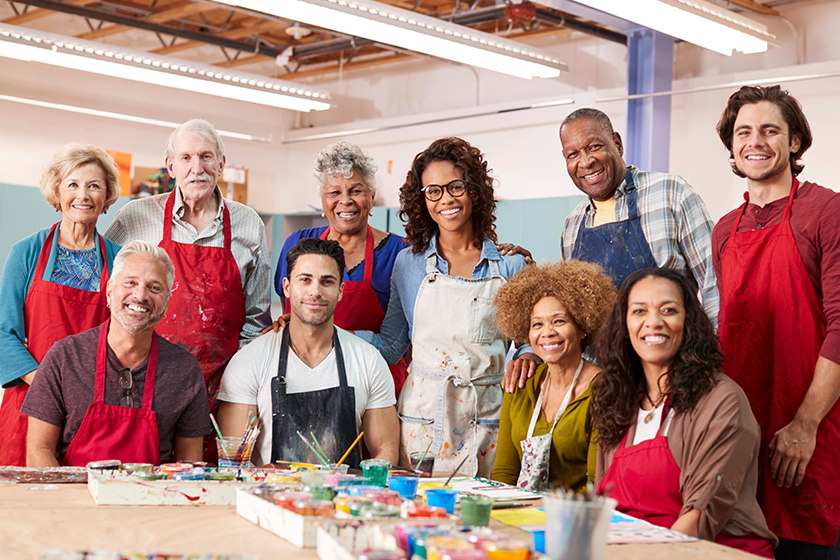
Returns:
(148, 424)
(777, 259)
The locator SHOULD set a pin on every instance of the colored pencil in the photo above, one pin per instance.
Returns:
(349, 449)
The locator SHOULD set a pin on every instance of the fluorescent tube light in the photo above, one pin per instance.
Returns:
(414, 32)
(68, 52)
(695, 21)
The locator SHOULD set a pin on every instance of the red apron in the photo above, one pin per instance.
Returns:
(117, 432)
(360, 310)
(51, 313)
(771, 329)
(207, 309)
(646, 483)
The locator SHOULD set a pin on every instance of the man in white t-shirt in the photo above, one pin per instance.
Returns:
(311, 378)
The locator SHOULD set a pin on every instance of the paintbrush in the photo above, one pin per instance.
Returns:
(318, 445)
(349, 449)
(219, 433)
(423, 456)
(458, 468)
(315, 451)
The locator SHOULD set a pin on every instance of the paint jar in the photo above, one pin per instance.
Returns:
(216, 475)
(436, 544)
(376, 470)
(354, 481)
(428, 464)
(388, 497)
(467, 554)
(429, 486)
(233, 454)
(576, 529)
(360, 490)
(333, 478)
(319, 491)
(286, 499)
(172, 468)
(378, 510)
(510, 550)
(335, 468)
(442, 497)
(151, 476)
(107, 465)
(410, 510)
(406, 486)
(278, 477)
(132, 468)
(312, 477)
(315, 508)
(475, 510)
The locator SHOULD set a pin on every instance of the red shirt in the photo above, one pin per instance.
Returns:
(815, 221)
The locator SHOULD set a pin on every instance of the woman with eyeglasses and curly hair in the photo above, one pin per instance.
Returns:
(677, 440)
(442, 292)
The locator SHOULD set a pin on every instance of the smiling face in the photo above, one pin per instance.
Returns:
(655, 321)
(451, 214)
(553, 334)
(138, 293)
(196, 166)
(346, 203)
(313, 288)
(593, 157)
(761, 144)
(82, 194)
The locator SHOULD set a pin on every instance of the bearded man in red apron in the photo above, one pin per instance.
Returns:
(221, 295)
(777, 260)
(120, 391)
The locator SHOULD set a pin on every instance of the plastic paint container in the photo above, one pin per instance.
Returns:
(332, 479)
(319, 491)
(406, 486)
(314, 508)
(442, 497)
(428, 464)
(376, 470)
(172, 468)
(216, 475)
(508, 550)
(287, 499)
(475, 510)
(130, 468)
(108, 465)
(195, 474)
(430, 485)
(354, 481)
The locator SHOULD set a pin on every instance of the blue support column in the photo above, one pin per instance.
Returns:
(650, 63)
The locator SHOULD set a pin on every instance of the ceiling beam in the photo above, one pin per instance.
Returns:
(354, 65)
(756, 7)
(234, 62)
(38, 13)
(161, 28)
(183, 10)
(238, 33)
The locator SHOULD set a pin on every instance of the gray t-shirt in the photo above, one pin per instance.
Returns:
(63, 389)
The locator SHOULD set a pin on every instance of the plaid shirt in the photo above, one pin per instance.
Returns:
(143, 219)
(675, 222)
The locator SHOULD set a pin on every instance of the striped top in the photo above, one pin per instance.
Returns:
(76, 269)
(675, 222)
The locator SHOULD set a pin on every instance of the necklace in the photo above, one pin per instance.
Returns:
(652, 414)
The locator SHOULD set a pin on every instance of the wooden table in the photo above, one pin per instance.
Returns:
(32, 520)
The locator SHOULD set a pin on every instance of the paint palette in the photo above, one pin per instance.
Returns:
(49, 475)
(112, 487)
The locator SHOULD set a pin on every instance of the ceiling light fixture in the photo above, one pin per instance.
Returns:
(68, 52)
(411, 31)
(695, 21)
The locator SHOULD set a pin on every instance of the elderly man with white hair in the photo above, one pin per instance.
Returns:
(222, 294)
(119, 390)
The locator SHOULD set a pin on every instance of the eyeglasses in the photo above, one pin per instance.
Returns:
(455, 189)
(126, 383)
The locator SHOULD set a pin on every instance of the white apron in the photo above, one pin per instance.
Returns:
(536, 451)
(452, 395)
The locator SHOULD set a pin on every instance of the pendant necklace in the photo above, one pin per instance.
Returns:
(652, 414)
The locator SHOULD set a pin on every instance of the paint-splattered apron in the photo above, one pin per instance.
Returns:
(536, 451)
(452, 396)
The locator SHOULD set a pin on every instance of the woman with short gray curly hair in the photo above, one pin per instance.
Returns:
(53, 282)
(346, 178)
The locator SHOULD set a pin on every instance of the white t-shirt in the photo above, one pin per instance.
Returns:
(247, 379)
(646, 431)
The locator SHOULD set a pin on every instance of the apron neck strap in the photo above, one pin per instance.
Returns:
(563, 405)
(794, 186)
(284, 359)
(102, 368)
(630, 193)
(368, 252)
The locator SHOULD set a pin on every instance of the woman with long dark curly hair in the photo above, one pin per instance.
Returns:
(442, 291)
(678, 443)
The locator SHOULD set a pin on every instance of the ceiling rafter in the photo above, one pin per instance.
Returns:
(185, 9)
(237, 33)
(38, 13)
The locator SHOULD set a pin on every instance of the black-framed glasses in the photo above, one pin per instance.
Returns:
(126, 382)
(455, 189)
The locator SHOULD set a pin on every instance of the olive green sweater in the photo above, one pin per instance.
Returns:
(573, 446)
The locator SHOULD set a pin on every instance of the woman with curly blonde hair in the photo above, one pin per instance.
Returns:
(545, 433)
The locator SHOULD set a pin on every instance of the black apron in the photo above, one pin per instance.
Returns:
(330, 414)
(619, 247)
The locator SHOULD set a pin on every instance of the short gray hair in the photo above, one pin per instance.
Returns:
(200, 128)
(589, 112)
(342, 159)
(140, 247)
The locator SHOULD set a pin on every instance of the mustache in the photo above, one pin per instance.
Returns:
(204, 176)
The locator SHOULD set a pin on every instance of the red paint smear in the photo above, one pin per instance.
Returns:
(190, 498)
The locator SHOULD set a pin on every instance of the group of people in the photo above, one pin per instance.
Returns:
(691, 369)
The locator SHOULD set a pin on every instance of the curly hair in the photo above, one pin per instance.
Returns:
(789, 107)
(342, 159)
(68, 158)
(583, 289)
(620, 386)
(420, 227)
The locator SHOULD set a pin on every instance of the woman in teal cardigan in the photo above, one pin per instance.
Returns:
(545, 432)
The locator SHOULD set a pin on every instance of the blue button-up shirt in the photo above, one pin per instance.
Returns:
(406, 279)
